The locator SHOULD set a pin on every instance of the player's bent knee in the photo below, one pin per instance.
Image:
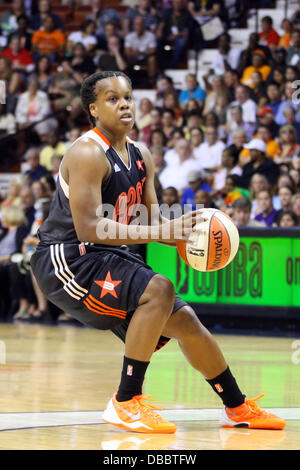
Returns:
(159, 290)
(188, 324)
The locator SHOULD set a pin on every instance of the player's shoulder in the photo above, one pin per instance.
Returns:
(85, 156)
(85, 150)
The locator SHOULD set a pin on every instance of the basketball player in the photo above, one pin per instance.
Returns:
(101, 283)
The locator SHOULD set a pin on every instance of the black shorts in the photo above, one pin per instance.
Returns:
(99, 286)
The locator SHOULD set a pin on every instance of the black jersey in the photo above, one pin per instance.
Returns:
(121, 191)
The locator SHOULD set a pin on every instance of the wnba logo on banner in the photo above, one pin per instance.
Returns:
(2, 353)
(2, 92)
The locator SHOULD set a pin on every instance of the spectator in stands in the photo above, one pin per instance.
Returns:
(158, 152)
(12, 218)
(239, 138)
(33, 105)
(170, 196)
(242, 213)
(27, 204)
(155, 123)
(209, 154)
(140, 48)
(23, 32)
(259, 163)
(214, 86)
(44, 10)
(295, 177)
(204, 11)
(175, 29)
(258, 65)
(287, 219)
(285, 39)
(285, 194)
(21, 59)
(8, 20)
(144, 9)
(13, 82)
(176, 175)
(266, 212)
(102, 16)
(196, 182)
(13, 194)
(110, 29)
(81, 62)
(258, 88)
(86, 35)
(246, 55)
(49, 40)
(295, 19)
(291, 73)
(268, 36)
(203, 199)
(293, 52)
(288, 144)
(227, 57)
(36, 171)
(265, 117)
(157, 137)
(196, 137)
(231, 81)
(221, 107)
(54, 146)
(7, 121)
(289, 101)
(171, 101)
(258, 183)
(113, 59)
(249, 107)
(236, 121)
(229, 166)
(175, 135)
(264, 133)
(66, 90)
(291, 117)
(273, 97)
(143, 117)
(42, 73)
(164, 84)
(192, 91)
(168, 122)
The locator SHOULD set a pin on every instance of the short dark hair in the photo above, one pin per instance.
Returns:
(242, 203)
(87, 92)
(267, 19)
(287, 212)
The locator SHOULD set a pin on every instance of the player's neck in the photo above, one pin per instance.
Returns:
(117, 141)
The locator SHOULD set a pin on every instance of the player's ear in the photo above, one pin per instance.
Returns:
(93, 110)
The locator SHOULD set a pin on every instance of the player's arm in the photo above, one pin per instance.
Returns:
(86, 167)
(150, 198)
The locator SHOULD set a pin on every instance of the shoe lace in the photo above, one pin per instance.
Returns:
(148, 407)
(253, 406)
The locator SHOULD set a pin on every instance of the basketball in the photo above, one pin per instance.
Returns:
(215, 246)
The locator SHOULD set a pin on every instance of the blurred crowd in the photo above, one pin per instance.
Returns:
(230, 141)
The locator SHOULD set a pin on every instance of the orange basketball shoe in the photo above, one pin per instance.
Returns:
(250, 414)
(135, 415)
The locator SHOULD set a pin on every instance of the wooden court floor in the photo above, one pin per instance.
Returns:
(55, 381)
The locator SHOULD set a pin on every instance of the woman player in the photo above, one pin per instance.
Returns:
(84, 266)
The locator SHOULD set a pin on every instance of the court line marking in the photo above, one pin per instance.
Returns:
(29, 420)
